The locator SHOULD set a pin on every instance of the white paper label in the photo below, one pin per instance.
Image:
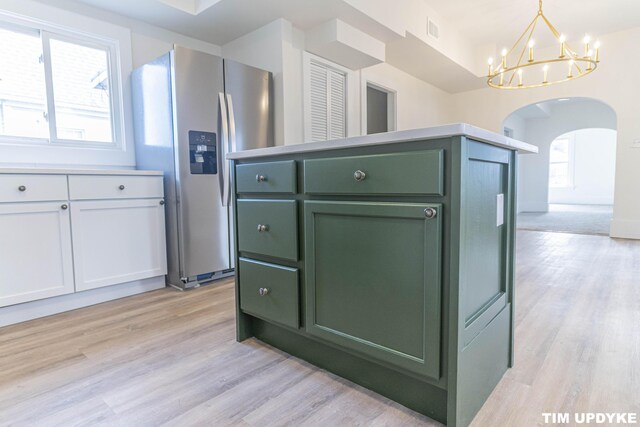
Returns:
(499, 210)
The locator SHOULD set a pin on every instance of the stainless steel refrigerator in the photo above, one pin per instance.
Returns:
(190, 109)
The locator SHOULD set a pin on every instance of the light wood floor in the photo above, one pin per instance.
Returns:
(167, 357)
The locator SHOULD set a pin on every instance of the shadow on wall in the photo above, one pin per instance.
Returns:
(542, 123)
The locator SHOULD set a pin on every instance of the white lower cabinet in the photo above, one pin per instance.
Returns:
(117, 241)
(36, 259)
(72, 232)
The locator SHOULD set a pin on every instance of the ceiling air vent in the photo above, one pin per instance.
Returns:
(432, 29)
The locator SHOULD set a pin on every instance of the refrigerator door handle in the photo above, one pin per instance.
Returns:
(232, 124)
(224, 145)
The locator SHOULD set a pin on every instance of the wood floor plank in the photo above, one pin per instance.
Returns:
(170, 358)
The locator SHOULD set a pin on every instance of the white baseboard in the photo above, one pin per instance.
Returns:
(625, 228)
(46, 307)
(533, 207)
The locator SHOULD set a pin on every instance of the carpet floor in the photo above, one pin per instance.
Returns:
(575, 219)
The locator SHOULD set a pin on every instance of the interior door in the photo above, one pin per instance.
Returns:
(363, 293)
(203, 217)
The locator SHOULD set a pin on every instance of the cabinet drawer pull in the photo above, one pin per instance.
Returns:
(121, 187)
(261, 178)
(359, 175)
(263, 291)
(430, 213)
(22, 188)
(263, 228)
(64, 207)
(161, 202)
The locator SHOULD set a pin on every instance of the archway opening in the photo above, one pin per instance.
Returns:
(569, 186)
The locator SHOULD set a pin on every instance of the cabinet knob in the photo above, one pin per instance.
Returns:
(263, 291)
(22, 188)
(263, 228)
(359, 175)
(121, 187)
(430, 213)
(64, 207)
(261, 178)
(161, 202)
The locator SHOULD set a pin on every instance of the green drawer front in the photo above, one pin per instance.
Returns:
(280, 301)
(272, 177)
(279, 236)
(417, 172)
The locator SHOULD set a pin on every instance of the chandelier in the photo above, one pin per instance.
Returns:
(527, 71)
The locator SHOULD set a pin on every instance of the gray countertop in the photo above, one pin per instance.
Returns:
(435, 132)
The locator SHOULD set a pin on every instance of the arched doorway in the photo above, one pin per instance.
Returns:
(568, 186)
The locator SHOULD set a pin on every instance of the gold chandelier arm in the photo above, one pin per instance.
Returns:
(556, 34)
(524, 48)
(522, 35)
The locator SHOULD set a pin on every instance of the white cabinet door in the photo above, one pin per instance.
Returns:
(35, 252)
(117, 241)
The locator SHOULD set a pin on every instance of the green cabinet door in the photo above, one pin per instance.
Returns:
(373, 280)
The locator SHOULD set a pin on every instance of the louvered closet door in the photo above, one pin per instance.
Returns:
(328, 102)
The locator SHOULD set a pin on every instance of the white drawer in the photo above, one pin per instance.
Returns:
(96, 187)
(32, 188)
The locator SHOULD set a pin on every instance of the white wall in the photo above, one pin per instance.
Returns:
(137, 42)
(533, 172)
(615, 82)
(418, 104)
(594, 168)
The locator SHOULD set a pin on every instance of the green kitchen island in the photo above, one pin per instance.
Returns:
(386, 259)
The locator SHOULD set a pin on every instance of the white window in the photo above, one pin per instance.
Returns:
(325, 101)
(561, 163)
(57, 88)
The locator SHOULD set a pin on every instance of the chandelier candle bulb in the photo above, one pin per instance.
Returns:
(520, 77)
(545, 71)
(490, 62)
(562, 40)
(597, 47)
(570, 73)
(531, 44)
(501, 77)
(589, 55)
(587, 40)
(504, 58)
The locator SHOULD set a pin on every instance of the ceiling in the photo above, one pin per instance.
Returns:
(501, 22)
(221, 21)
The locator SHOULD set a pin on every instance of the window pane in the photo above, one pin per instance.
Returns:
(22, 87)
(560, 150)
(559, 175)
(81, 92)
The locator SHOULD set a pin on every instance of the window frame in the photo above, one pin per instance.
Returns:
(47, 33)
(570, 162)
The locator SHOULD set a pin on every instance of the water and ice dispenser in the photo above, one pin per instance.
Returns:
(203, 153)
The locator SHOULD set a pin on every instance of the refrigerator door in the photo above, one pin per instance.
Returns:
(249, 91)
(200, 138)
(249, 95)
(153, 131)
